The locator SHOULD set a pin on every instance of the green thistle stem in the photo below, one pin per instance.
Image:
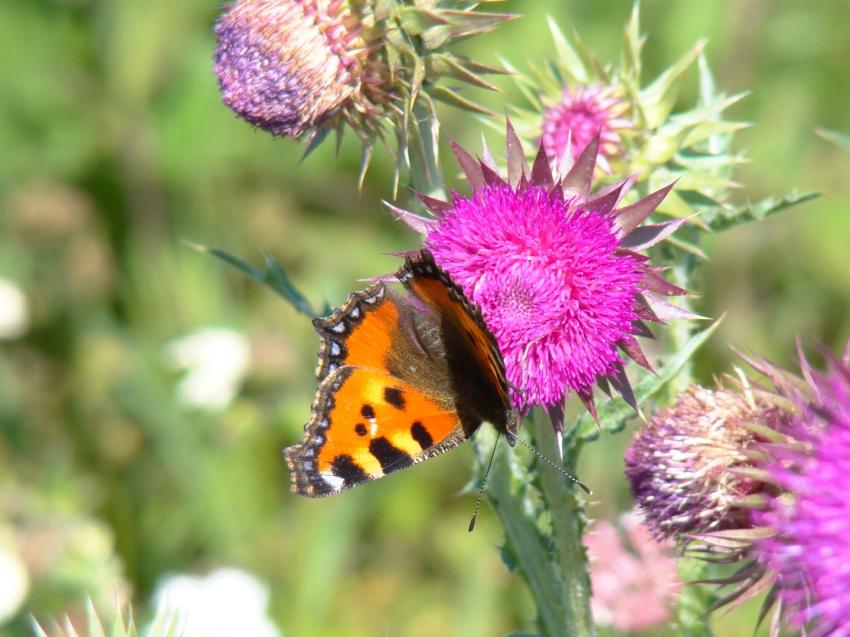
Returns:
(566, 514)
(694, 601)
(550, 557)
(680, 332)
(525, 548)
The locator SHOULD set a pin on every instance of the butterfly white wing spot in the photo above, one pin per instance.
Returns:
(355, 312)
(332, 366)
(334, 482)
(371, 300)
(335, 348)
(339, 328)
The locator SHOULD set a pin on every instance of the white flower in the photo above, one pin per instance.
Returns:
(14, 580)
(14, 310)
(226, 603)
(215, 360)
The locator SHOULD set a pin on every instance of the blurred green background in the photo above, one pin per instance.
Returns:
(116, 149)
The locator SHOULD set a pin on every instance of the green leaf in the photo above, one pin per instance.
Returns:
(657, 99)
(453, 98)
(273, 277)
(567, 57)
(450, 66)
(415, 21)
(614, 413)
(469, 23)
(633, 46)
(728, 217)
(839, 139)
(524, 543)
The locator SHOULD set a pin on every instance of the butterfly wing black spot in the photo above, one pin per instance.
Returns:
(360, 429)
(367, 411)
(394, 397)
(421, 435)
(344, 467)
(391, 458)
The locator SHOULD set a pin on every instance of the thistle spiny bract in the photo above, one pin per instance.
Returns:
(303, 68)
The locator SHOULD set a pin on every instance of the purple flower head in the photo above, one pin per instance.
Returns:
(547, 276)
(765, 471)
(809, 547)
(684, 467)
(286, 65)
(555, 270)
(580, 115)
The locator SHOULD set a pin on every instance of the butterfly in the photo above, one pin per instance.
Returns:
(403, 376)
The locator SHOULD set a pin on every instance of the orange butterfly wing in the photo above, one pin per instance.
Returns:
(401, 378)
(366, 422)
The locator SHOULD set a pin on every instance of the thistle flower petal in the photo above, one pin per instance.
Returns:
(633, 576)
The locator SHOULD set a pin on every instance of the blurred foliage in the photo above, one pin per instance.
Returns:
(117, 149)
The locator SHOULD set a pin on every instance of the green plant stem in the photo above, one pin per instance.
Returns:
(566, 514)
(694, 600)
(681, 331)
(526, 549)
(544, 542)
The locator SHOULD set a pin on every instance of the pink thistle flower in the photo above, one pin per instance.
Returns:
(580, 115)
(809, 549)
(556, 271)
(547, 277)
(633, 576)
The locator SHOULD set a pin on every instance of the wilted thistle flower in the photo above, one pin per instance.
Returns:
(574, 95)
(555, 270)
(683, 467)
(633, 576)
(285, 66)
(302, 68)
(776, 506)
(579, 116)
(809, 547)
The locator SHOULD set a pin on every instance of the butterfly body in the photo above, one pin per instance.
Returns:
(403, 376)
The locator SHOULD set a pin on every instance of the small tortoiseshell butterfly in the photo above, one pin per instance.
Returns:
(402, 376)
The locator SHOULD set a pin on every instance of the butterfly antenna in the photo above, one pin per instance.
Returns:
(563, 471)
(483, 485)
